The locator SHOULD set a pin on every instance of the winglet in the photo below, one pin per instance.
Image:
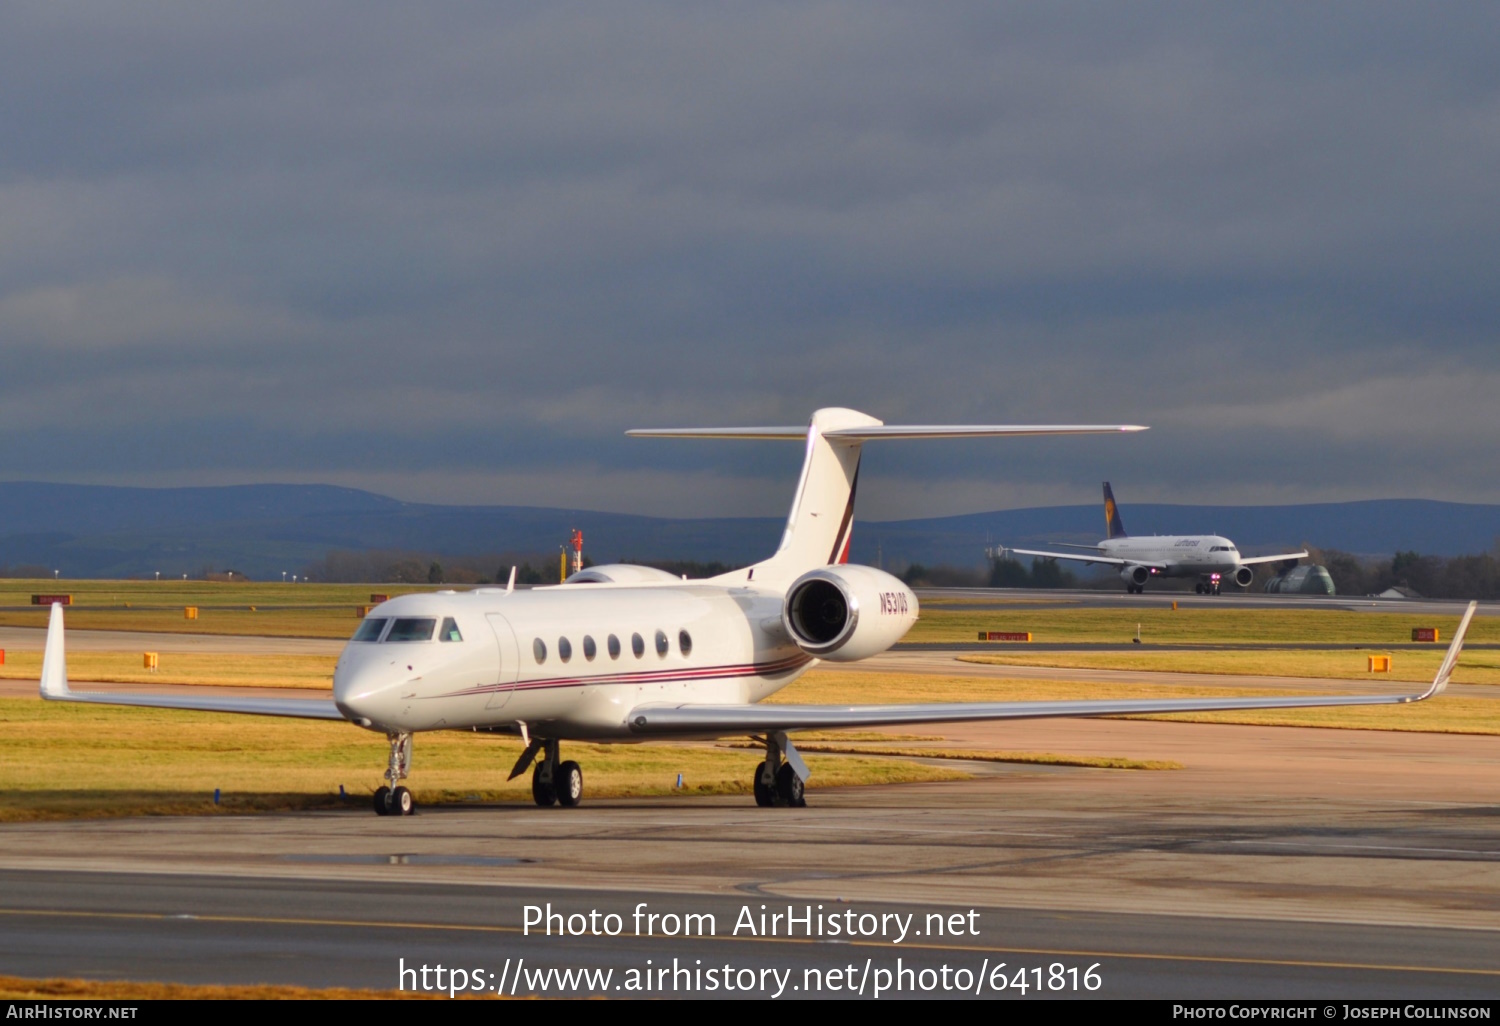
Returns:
(55, 659)
(510, 585)
(1451, 659)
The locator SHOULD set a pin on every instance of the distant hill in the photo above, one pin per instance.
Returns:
(262, 530)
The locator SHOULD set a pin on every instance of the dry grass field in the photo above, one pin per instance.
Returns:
(17, 988)
(1481, 666)
(64, 761)
(330, 611)
(1194, 626)
(1449, 714)
(204, 669)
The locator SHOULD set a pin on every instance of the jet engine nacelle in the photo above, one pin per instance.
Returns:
(1136, 575)
(843, 613)
(1243, 576)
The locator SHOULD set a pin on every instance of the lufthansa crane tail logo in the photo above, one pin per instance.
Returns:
(892, 602)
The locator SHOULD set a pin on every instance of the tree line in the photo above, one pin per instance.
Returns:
(1461, 577)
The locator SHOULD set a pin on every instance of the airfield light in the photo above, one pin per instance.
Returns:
(283, 577)
(158, 575)
(54, 574)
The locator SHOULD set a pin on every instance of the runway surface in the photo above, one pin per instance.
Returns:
(1279, 862)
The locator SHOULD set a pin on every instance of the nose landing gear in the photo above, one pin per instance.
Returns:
(391, 799)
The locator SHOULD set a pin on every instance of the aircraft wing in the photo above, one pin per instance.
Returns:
(710, 720)
(1082, 557)
(1273, 559)
(55, 688)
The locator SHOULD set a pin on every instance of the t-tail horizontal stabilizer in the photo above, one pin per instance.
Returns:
(54, 688)
(821, 522)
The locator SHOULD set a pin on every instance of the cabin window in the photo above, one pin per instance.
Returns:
(589, 649)
(370, 629)
(614, 647)
(539, 649)
(564, 649)
(449, 631)
(412, 628)
(661, 644)
(637, 645)
(685, 643)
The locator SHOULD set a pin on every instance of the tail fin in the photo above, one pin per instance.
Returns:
(1113, 527)
(821, 523)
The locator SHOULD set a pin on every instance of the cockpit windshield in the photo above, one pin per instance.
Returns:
(370, 629)
(412, 629)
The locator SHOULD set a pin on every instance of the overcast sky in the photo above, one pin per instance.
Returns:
(450, 252)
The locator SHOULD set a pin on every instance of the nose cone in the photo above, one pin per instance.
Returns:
(366, 684)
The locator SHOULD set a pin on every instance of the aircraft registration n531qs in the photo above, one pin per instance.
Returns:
(627, 653)
(1209, 557)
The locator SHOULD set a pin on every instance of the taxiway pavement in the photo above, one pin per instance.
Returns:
(1278, 862)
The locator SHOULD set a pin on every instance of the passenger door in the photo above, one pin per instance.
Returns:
(510, 659)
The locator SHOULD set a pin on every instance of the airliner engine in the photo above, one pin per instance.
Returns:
(1243, 576)
(1136, 575)
(843, 613)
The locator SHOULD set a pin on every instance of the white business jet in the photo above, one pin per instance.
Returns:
(627, 653)
(1209, 557)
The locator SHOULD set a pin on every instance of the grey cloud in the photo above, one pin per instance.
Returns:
(279, 241)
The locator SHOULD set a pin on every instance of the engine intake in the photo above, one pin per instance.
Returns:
(844, 613)
(1137, 575)
(1243, 576)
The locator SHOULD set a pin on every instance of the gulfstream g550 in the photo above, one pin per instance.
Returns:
(627, 653)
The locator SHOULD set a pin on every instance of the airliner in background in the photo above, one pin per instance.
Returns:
(1211, 558)
(624, 653)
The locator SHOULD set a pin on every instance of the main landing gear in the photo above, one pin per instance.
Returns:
(392, 799)
(779, 783)
(552, 782)
(1207, 588)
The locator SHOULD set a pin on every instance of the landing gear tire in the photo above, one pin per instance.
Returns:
(1198, 589)
(765, 794)
(402, 803)
(382, 801)
(542, 792)
(789, 787)
(569, 785)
